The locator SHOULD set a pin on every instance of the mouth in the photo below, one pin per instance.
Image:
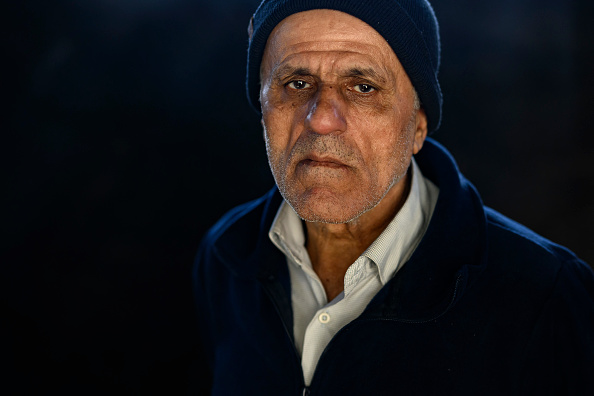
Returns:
(328, 164)
(315, 161)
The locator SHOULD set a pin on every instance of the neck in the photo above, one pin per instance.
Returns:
(333, 248)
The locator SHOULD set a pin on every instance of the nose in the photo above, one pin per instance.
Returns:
(326, 113)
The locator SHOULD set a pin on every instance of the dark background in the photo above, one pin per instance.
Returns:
(128, 135)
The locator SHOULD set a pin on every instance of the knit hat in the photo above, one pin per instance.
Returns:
(409, 27)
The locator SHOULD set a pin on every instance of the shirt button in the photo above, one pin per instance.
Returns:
(324, 318)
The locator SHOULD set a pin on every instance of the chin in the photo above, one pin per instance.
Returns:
(329, 210)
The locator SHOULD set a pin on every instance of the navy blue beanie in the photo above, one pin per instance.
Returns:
(409, 27)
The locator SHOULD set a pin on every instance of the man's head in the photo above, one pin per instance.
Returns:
(408, 26)
(340, 114)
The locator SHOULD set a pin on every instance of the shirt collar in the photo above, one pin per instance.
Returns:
(394, 246)
(287, 233)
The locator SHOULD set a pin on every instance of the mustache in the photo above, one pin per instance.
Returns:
(332, 147)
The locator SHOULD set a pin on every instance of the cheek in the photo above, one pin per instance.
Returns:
(374, 134)
(277, 137)
(276, 99)
(386, 145)
(283, 125)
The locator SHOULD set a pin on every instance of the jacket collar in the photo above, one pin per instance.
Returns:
(241, 238)
(452, 250)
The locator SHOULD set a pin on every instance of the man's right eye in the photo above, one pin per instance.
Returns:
(298, 84)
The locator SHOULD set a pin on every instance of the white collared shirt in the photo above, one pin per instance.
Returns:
(315, 319)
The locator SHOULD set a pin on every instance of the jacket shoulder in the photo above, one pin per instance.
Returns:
(235, 237)
(549, 283)
(249, 212)
(521, 251)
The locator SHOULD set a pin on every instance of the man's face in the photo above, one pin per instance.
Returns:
(338, 115)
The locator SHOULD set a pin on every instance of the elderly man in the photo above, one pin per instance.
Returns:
(367, 270)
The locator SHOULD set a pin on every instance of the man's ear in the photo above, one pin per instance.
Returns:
(250, 29)
(420, 131)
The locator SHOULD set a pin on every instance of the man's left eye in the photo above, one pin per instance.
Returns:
(364, 88)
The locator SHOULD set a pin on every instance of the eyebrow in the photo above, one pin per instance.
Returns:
(290, 70)
(367, 72)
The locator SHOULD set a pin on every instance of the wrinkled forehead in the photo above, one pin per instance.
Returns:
(324, 31)
(325, 25)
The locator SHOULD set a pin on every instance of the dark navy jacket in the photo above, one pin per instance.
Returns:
(484, 306)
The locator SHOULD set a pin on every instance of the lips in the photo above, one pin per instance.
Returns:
(315, 160)
(329, 164)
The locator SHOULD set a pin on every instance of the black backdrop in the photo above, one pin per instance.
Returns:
(128, 134)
